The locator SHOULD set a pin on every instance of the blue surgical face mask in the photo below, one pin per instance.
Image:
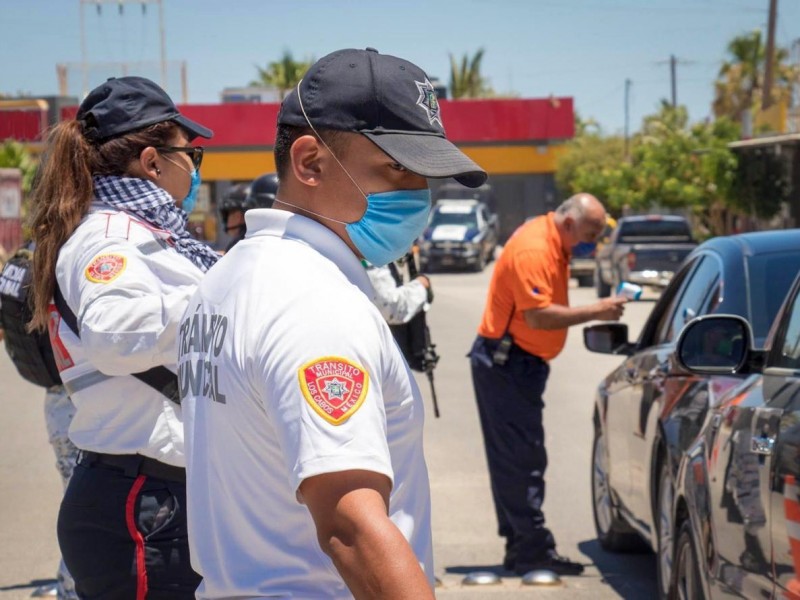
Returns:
(389, 226)
(584, 249)
(191, 198)
(391, 223)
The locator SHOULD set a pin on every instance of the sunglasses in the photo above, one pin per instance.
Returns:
(194, 152)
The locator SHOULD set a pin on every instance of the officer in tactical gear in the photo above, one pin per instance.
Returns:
(259, 194)
(232, 212)
(32, 355)
(262, 192)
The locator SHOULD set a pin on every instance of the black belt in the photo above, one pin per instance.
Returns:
(133, 465)
(491, 345)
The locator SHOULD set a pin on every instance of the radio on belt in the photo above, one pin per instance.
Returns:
(631, 291)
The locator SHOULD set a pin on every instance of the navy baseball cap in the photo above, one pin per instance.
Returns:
(387, 99)
(124, 104)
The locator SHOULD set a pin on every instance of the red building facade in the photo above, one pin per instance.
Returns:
(517, 141)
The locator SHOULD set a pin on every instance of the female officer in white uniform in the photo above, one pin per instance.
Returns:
(110, 210)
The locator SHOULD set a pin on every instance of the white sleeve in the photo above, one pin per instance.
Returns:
(321, 371)
(128, 324)
(397, 304)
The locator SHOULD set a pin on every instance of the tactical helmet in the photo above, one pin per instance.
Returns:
(262, 192)
(234, 200)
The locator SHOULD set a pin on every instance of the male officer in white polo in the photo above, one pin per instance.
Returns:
(303, 423)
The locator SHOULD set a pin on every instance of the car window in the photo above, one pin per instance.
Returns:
(771, 275)
(786, 349)
(454, 216)
(629, 231)
(700, 294)
(655, 329)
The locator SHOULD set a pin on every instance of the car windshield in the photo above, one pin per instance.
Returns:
(651, 228)
(454, 216)
(771, 275)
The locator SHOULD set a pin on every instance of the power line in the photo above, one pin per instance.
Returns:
(123, 35)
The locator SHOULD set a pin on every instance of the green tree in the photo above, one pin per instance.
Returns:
(740, 81)
(466, 80)
(596, 164)
(283, 74)
(672, 165)
(687, 166)
(14, 155)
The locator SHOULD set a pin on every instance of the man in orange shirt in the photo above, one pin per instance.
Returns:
(524, 326)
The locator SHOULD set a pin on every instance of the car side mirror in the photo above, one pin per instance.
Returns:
(714, 345)
(608, 338)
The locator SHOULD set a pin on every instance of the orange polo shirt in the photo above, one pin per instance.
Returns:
(532, 272)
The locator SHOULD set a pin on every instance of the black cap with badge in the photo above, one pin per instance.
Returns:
(125, 104)
(387, 99)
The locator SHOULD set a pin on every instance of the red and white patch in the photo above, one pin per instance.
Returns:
(105, 268)
(334, 387)
(60, 353)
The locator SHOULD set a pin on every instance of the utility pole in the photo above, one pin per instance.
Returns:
(674, 61)
(84, 65)
(766, 100)
(163, 43)
(672, 68)
(627, 117)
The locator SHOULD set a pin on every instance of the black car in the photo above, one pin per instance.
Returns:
(460, 233)
(648, 411)
(736, 506)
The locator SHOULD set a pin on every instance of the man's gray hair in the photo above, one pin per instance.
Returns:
(573, 206)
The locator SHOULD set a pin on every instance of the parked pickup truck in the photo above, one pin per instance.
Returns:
(646, 250)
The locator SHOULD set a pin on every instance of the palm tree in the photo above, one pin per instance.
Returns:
(283, 74)
(741, 78)
(466, 80)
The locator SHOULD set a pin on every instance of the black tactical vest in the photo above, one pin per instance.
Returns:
(31, 353)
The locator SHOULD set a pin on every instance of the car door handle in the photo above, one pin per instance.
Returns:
(762, 444)
(716, 421)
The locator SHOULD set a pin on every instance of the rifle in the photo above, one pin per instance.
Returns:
(420, 350)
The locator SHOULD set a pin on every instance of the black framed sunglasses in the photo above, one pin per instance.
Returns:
(194, 152)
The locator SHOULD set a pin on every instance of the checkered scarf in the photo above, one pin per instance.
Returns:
(155, 206)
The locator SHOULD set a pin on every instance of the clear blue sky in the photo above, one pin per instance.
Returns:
(580, 48)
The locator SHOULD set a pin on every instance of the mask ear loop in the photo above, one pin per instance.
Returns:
(177, 164)
(319, 137)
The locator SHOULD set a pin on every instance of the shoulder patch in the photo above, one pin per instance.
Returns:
(334, 387)
(105, 268)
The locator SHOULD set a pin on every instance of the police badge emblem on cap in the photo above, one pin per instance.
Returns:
(429, 101)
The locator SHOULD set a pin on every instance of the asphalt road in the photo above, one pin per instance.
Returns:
(463, 516)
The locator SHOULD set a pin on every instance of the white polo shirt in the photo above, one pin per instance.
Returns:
(128, 288)
(289, 371)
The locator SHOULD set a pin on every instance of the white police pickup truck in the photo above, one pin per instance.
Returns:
(460, 233)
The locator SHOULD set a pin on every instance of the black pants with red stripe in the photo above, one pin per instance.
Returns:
(126, 536)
